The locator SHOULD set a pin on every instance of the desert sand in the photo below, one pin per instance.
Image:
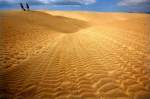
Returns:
(74, 55)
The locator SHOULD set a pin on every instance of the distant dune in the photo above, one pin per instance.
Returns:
(74, 55)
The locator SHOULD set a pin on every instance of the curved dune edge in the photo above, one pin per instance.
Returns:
(62, 56)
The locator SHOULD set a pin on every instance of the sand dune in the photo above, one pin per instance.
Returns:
(74, 55)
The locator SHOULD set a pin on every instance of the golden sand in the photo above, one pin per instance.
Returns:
(74, 55)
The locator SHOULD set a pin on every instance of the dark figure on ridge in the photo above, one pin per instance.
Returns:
(21, 5)
(27, 6)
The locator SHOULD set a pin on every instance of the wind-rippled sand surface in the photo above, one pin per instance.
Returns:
(74, 55)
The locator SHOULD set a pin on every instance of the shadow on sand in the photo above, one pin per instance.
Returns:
(21, 20)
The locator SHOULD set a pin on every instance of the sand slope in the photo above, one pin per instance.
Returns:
(74, 55)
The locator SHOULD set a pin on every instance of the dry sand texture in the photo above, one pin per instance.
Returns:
(74, 55)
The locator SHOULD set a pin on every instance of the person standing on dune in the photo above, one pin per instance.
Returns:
(22, 7)
(27, 6)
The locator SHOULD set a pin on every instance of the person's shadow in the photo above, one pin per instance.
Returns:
(22, 7)
(26, 8)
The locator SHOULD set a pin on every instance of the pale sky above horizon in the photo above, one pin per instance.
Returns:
(92, 5)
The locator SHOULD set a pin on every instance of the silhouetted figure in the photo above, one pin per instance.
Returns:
(27, 6)
(21, 5)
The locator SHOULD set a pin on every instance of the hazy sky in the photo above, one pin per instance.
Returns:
(92, 5)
